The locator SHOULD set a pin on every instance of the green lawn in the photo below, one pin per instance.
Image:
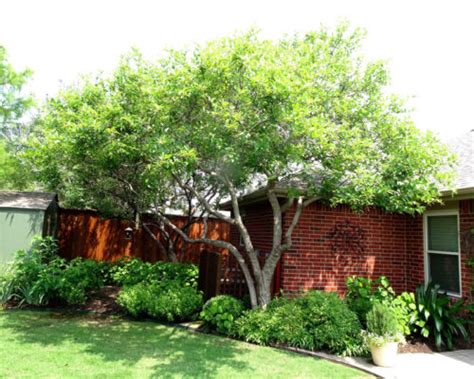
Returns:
(54, 345)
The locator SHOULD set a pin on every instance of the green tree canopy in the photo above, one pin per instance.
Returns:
(305, 113)
(14, 131)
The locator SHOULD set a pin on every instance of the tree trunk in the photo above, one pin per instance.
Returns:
(264, 293)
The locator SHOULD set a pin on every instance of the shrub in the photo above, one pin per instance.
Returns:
(440, 318)
(78, 277)
(39, 276)
(167, 301)
(37, 273)
(317, 320)
(6, 284)
(220, 313)
(127, 272)
(363, 293)
(134, 271)
(254, 326)
(404, 307)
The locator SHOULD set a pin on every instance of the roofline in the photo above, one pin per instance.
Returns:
(254, 197)
(458, 194)
(53, 198)
(261, 194)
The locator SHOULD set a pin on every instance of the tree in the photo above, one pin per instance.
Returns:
(304, 114)
(13, 130)
(13, 173)
(13, 103)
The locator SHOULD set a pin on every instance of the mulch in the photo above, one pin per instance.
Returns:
(102, 302)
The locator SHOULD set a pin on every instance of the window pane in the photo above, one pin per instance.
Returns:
(443, 233)
(444, 270)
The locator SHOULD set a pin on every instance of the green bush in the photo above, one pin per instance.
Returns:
(127, 272)
(317, 320)
(166, 301)
(6, 284)
(363, 293)
(78, 277)
(39, 276)
(404, 307)
(220, 313)
(439, 317)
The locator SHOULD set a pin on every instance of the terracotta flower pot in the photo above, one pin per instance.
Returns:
(385, 355)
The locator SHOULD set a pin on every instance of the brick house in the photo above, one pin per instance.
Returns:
(330, 244)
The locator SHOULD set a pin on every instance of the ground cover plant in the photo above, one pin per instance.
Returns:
(52, 345)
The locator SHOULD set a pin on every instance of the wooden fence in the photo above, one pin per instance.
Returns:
(85, 234)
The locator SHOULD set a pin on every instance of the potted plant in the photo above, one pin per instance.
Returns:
(383, 335)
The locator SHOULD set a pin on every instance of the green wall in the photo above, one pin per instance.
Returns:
(17, 228)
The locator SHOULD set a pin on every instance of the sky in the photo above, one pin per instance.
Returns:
(428, 45)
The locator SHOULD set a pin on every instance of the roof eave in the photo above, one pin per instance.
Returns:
(254, 198)
(458, 194)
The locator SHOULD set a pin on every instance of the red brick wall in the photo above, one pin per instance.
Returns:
(259, 221)
(415, 252)
(392, 246)
(323, 259)
(466, 223)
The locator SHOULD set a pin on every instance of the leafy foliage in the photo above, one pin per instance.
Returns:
(363, 293)
(165, 301)
(13, 131)
(13, 172)
(439, 317)
(39, 276)
(128, 272)
(209, 123)
(315, 321)
(6, 285)
(220, 313)
(13, 104)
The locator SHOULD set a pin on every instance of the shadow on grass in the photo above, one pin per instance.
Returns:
(171, 351)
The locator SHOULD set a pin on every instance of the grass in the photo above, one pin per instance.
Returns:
(54, 345)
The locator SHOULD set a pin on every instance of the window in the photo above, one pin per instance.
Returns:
(442, 252)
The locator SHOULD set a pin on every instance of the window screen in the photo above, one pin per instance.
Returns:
(443, 233)
(443, 237)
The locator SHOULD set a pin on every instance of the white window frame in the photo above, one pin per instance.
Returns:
(443, 212)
